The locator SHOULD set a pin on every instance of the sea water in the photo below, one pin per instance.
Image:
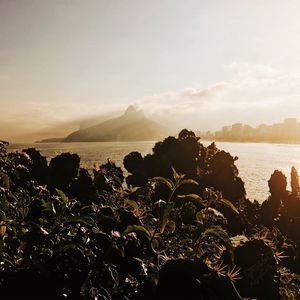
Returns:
(256, 163)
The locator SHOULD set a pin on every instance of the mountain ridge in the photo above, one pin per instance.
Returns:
(133, 125)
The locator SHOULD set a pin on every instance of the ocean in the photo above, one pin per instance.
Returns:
(256, 163)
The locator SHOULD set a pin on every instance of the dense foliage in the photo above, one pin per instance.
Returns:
(180, 227)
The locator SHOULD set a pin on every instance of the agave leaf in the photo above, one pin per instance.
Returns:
(131, 203)
(188, 181)
(137, 228)
(165, 181)
(166, 213)
(229, 205)
(62, 195)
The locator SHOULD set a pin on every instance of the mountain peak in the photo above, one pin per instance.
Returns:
(131, 111)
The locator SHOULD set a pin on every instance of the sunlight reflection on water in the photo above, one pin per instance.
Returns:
(256, 162)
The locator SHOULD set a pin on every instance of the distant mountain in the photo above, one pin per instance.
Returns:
(131, 126)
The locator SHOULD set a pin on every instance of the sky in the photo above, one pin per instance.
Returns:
(199, 64)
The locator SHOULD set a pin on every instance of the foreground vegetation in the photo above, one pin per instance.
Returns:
(180, 227)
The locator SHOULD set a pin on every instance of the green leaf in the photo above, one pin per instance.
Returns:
(1, 246)
(62, 195)
(193, 197)
(188, 181)
(131, 203)
(66, 246)
(137, 228)
(2, 215)
(4, 180)
(166, 213)
(86, 220)
(200, 216)
(171, 226)
(165, 181)
(229, 205)
(189, 196)
(114, 275)
(47, 206)
(134, 189)
(176, 175)
(85, 286)
(4, 203)
(157, 245)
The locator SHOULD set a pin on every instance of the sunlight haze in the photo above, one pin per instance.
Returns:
(202, 65)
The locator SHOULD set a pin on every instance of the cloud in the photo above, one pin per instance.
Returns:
(252, 94)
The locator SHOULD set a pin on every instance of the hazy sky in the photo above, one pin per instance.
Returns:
(193, 63)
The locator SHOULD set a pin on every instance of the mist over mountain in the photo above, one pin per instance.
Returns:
(133, 125)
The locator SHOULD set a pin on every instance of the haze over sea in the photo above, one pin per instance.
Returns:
(256, 162)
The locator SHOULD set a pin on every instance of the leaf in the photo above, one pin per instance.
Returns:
(166, 212)
(62, 195)
(200, 216)
(165, 181)
(85, 286)
(177, 176)
(188, 181)
(2, 215)
(47, 206)
(2, 229)
(86, 220)
(171, 226)
(4, 180)
(44, 231)
(193, 197)
(66, 246)
(1, 246)
(229, 205)
(4, 203)
(131, 203)
(137, 228)
(157, 245)
(189, 196)
(215, 213)
(221, 234)
(114, 275)
(134, 189)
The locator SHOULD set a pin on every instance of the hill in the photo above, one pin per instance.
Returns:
(131, 126)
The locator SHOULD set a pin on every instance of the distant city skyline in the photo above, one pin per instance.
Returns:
(287, 131)
(194, 63)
